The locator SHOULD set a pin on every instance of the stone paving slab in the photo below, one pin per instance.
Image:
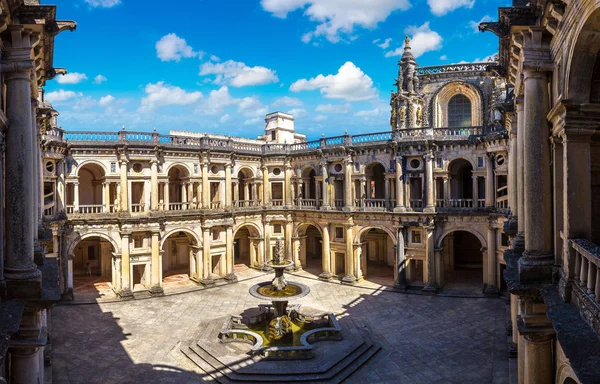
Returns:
(425, 339)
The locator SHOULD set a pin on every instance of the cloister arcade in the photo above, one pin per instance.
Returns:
(178, 254)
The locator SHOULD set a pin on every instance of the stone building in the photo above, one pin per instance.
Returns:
(28, 280)
(422, 205)
(549, 55)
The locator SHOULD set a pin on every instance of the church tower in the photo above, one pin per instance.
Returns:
(408, 110)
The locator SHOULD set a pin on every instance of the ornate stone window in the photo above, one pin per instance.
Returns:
(458, 104)
(459, 111)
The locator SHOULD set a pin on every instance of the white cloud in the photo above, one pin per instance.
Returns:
(71, 78)
(61, 95)
(103, 3)
(161, 94)
(173, 48)
(320, 118)
(337, 18)
(251, 106)
(216, 101)
(253, 121)
(99, 79)
(475, 24)
(368, 113)
(288, 102)
(333, 108)
(214, 58)
(350, 84)
(225, 118)
(298, 112)
(385, 44)
(443, 57)
(106, 100)
(487, 59)
(238, 74)
(423, 40)
(442, 7)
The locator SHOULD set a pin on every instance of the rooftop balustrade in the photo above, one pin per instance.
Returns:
(243, 145)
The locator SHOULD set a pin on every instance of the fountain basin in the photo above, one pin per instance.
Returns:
(265, 291)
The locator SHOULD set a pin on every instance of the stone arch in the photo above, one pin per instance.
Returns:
(377, 161)
(301, 228)
(453, 159)
(582, 56)
(446, 232)
(449, 90)
(79, 238)
(254, 226)
(307, 169)
(247, 171)
(179, 165)
(94, 162)
(367, 228)
(180, 229)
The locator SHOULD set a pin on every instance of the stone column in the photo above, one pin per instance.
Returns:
(246, 191)
(289, 252)
(518, 243)
(538, 259)
(106, 197)
(60, 186)
(184, 199)
(254, 194)
(400, 205)
(205, 186)
(490, 188)
(430, 202)
(76, 196)
(512, 171)
(429, 273)
(228, 185)
(125, 267)
(475, 192)
(538, 359)
(124, 185)
(401, 262)
(325, 206)
(268, 248)
(288, 187)
(300, 243)
(348, 203)
(156, 279)
(206, 258)
(386, 191)
(20, 216)
(190, 194)
(230, 276)
(492, 264)
(326, 255)
(439, 267)
(266, 186)
(349, 277)
(446, 192)
(154, 185)
(166, 196)
(236, 191)
(198, 195)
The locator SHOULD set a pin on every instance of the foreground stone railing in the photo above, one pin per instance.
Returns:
(453, 68)
(586, 286)
(256, 147)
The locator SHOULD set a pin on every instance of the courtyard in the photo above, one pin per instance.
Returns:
(424, 339)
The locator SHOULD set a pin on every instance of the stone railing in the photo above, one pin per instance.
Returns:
(460, 203)
(587, 267)
(453, 68)
(338, 204)
(91, 208)
(244, 145)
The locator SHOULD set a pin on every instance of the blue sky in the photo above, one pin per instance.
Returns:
(219, 66)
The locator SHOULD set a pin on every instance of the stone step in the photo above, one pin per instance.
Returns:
(142, 294)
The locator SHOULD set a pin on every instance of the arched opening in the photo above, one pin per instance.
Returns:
(92, 267)
(311, 249)
(178, 256)
(463, 257)
(177, 189)
(91, 189)
(461, 183)
(459, 111)
(375, 186)
(376, 255)
(308, 188)
(244, 192)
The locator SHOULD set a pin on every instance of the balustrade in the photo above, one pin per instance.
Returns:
(246, 203)
(416, 203)
(175, 206)
(502, 204)
(338, 203)
(70, 208)
(137, 208)
(215, 205)
(307, 203)
(378, 204)
(49, 211)
(277, 202)
(481, 203)
(91, 208)
(461, 203)
(587, 266)
(440, 203)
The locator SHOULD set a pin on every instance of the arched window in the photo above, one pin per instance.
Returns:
(459, 111)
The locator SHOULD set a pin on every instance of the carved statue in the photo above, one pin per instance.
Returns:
(394, 114)
(419, 114)
(402, 113)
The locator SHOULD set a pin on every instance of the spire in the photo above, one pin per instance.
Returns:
(407, 41)
(407, 55)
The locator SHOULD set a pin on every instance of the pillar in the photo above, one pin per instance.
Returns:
(166, 196)
(124, 185)
(299, 243)
(154, 185)
(512, 170)
(538, 359)
(184, 197)
(288, 187)
(326, 255)
(76, 196)
(518, 243)
(228, 186)
(490, 189)
(20, 216)
(198, 195)
(400, 204)
(538, 259)
(106, 197)
(255, 197)
(125, 266)
(475, 192)
(266, 187)
(429, 265)
(60, 186)
(205, 186)
(289, 254)
(230, 275)
(348, 203)
(446, 191)
(207, 260)
(492, 264)
(156, 275)
(268, 248)
(401, 262)
(439, 267)
(386, 191)
(430, 203)
(325, 185)
(190, 194)
(349, 277)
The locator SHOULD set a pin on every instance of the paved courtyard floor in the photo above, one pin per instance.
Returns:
(425, 339)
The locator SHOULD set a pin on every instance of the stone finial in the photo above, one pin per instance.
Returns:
(407, 41)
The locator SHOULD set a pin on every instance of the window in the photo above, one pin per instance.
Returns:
(480, 162)
(459, 111)
(357, 166)
(273, 135)
(277, 171)
(339, 233)
(195, 169)
(438, 162)
(113, 167)
(138, 241)
(137, 167)
(50, 167)
(500, 160)
(416, 237)
(415, 163)
(504, 240)
(277, 228)
(214, 169)
(338, 168)
(216, 234)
